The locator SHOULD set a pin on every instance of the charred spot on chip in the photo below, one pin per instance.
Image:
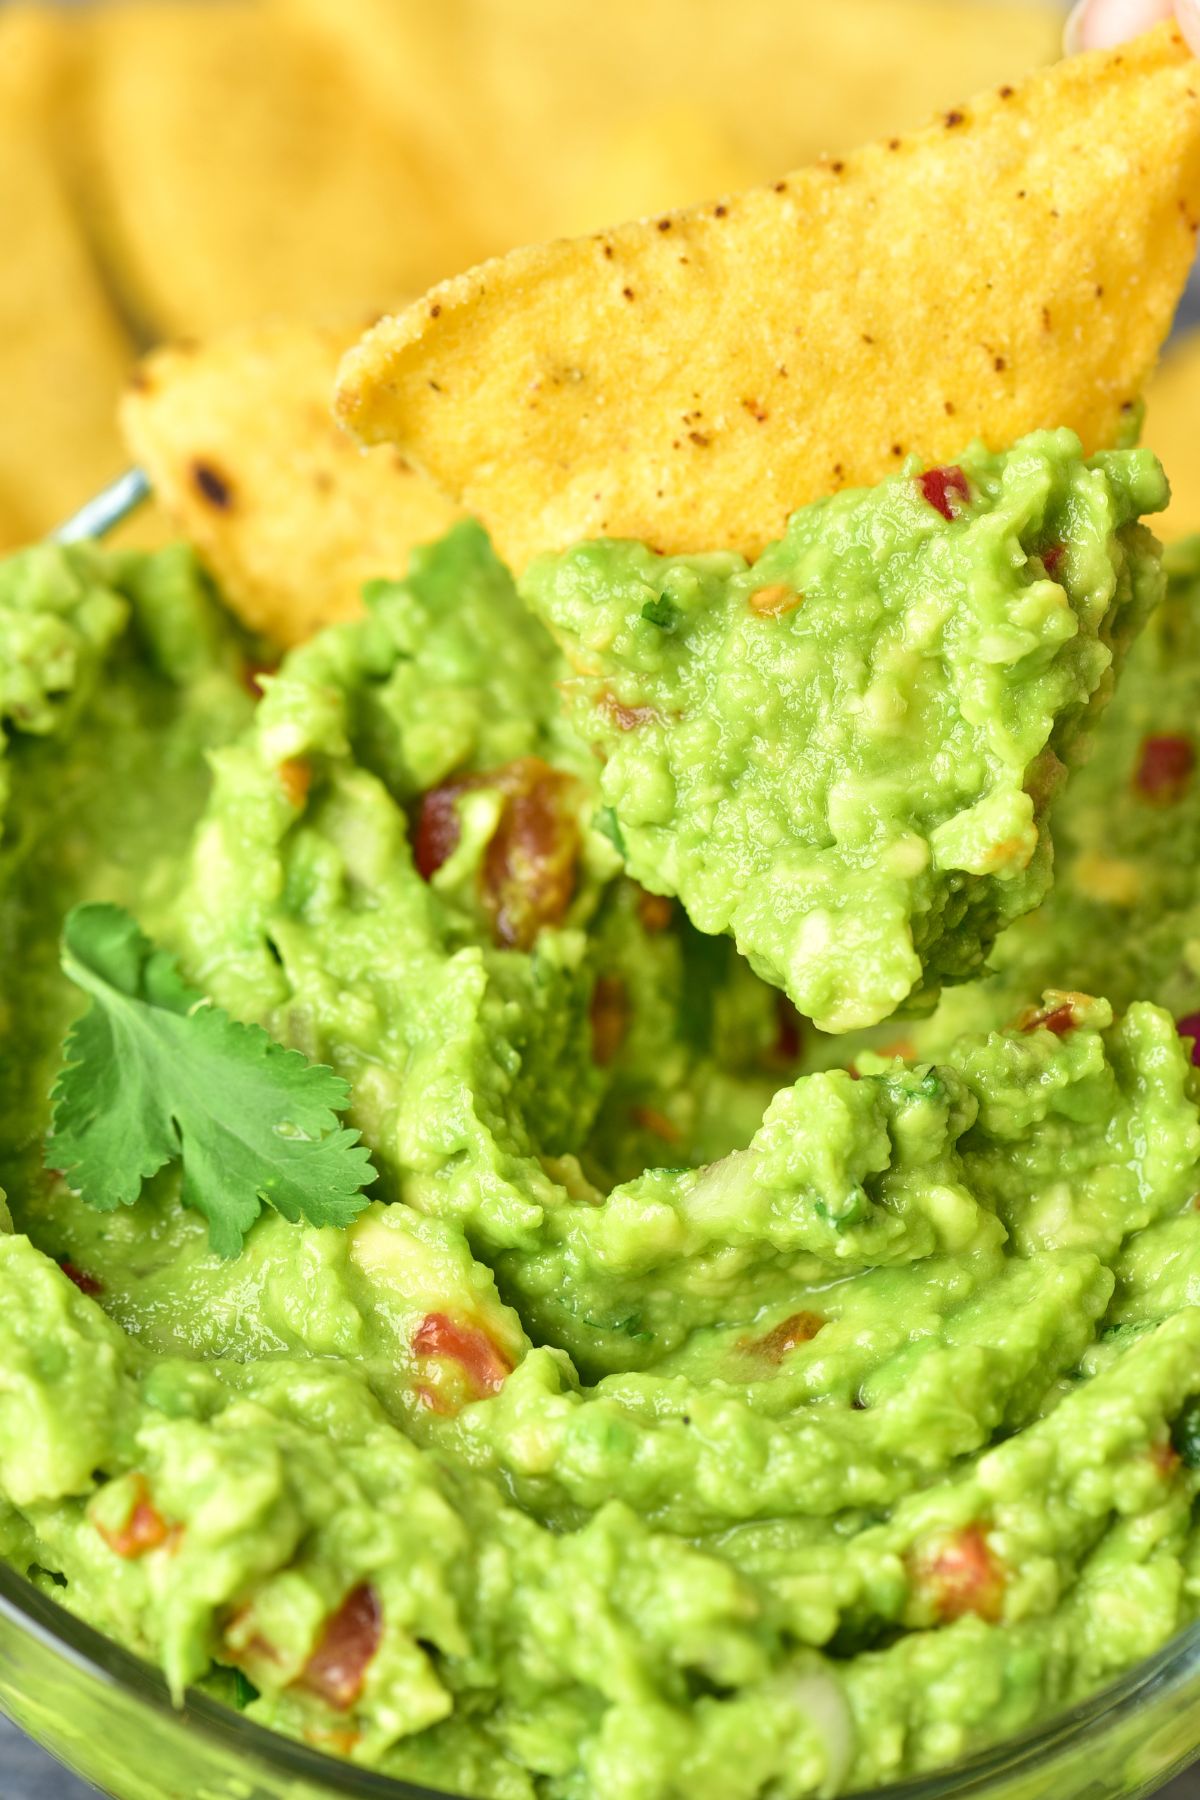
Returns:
(664, 224)
(628, 293)
(781, 187)
(435, 310)
(954, 117)
(211, 485)
(1006, 92)
(999, 364)
(720, 210)
(837, 166)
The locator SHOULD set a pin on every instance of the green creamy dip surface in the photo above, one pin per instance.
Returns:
(703, 1405)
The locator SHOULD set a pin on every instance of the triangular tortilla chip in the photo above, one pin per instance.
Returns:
(692, 380)
(1172, 429)
(238, 440)
(63, 353)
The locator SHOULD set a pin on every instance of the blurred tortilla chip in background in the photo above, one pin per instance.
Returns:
(543, 112)
(169, 167)
(63, 352)
(239, 441)
(1172, 429)
(235, 168)
(1015, 264)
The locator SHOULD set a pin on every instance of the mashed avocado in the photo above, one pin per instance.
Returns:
(844, 753)
(679, 1418)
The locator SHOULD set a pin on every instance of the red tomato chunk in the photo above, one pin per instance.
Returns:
(1165, 767)
(336, 1672)
(941, 487)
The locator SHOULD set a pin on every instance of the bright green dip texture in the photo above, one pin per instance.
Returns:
(674, 1422)
(842, 754)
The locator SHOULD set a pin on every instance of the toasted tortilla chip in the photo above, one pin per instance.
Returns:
(63, 353)
(555, 118)
(237, 168)
(692, 380)
(1172, 430)
(238, 440)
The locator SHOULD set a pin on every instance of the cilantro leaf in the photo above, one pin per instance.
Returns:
(662, 612)
(154, 1073)
(605, 822)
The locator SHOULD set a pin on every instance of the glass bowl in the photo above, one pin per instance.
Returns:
(108, 1716)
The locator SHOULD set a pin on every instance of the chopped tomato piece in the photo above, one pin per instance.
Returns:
(295, 778)
(437, 832)
(529, 868)
(657, 1123)
(87, 1284)
(145, 1529)
(1165, 767)
(800, 1328)
(962, 1576)
(337, 1743)
(1165, 1458)
(337, 1669)
(789, 1034)
(251, 672)
(483, 1362)
(941, 487)
(1059, 1019)
(655, 911)
(625, 718)
(609, 1014)
(1189, 1027)
(774, 601)
(1052, 555)
(527, 879)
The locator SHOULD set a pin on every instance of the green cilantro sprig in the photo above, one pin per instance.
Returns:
(155, 1073)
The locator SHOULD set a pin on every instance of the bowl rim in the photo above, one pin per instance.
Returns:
(36, 1613)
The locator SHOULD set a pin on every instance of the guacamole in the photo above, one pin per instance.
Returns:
(698, 1405)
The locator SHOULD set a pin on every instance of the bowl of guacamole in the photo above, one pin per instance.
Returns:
(581, 1217)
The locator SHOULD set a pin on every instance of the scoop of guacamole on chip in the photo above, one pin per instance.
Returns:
(599, 1163)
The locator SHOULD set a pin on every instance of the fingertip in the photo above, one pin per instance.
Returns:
(1187, 12)
(1101, 24)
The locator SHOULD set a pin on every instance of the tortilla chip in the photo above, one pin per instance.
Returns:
(238, 440)
(236, 169)
(1172, 430)
(555, 118)
(63, 353)
(692, 380)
